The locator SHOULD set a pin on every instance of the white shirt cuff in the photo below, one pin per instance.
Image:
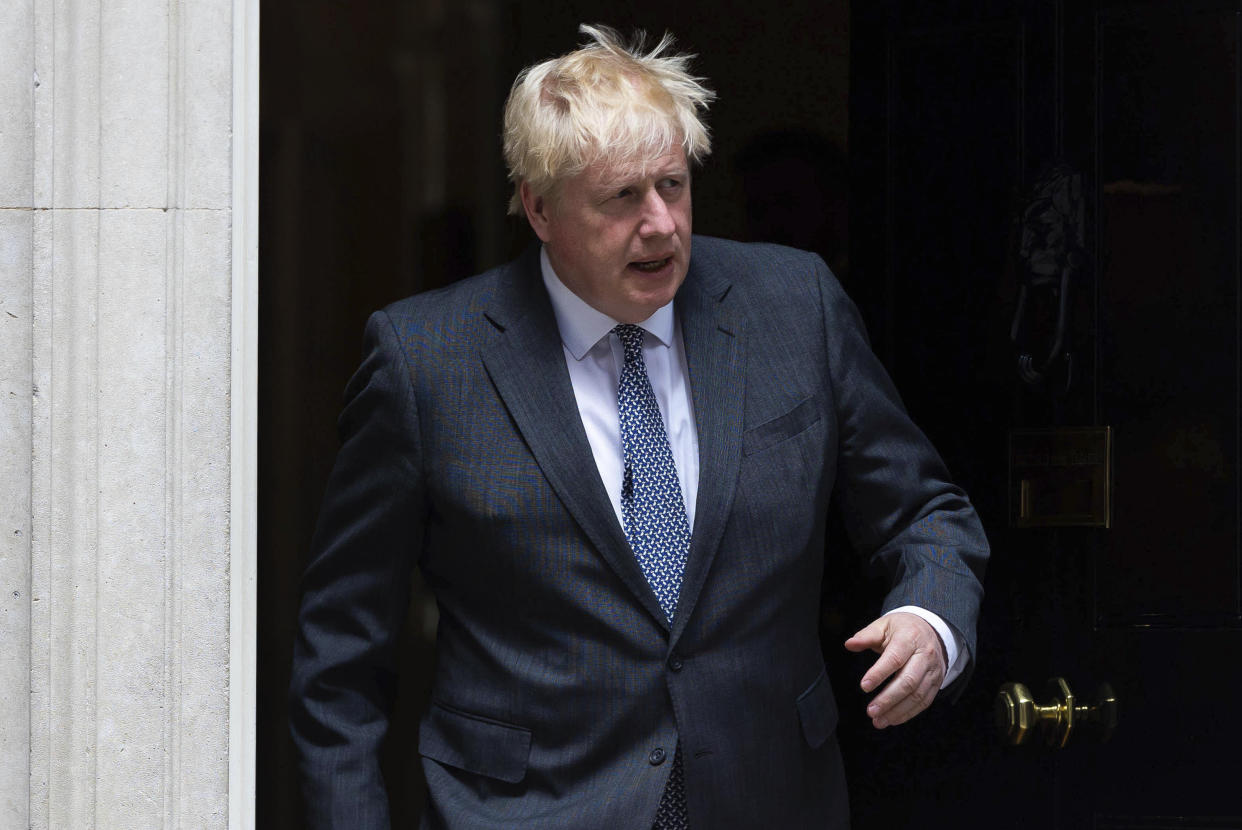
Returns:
(954, 648)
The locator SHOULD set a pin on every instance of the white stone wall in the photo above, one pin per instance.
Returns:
(117, 457)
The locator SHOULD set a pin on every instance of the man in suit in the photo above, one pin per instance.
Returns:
(612, 462)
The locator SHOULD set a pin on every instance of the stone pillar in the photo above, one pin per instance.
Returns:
(126, 292)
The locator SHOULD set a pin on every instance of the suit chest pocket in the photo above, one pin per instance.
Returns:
(797, 420)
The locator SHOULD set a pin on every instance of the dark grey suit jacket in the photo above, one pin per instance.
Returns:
(559, 684)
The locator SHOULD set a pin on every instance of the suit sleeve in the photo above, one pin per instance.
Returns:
(897, 501)
(356, 592)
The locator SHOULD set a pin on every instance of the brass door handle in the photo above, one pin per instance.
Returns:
(1017, 714)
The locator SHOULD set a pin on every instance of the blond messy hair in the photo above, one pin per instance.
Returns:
(605, 102)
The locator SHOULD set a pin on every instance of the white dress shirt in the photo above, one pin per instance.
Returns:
(594, 357)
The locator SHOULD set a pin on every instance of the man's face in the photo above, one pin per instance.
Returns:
(620, 240)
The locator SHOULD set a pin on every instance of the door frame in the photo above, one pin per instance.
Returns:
(244, 419)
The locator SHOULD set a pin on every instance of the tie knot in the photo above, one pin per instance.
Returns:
(631, 337)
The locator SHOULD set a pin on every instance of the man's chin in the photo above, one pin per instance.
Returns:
(642, 308)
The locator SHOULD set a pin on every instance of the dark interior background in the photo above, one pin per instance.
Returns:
(381, 175)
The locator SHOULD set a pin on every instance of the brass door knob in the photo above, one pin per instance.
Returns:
(1017, 714)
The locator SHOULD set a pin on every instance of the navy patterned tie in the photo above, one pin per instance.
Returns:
(654, 516)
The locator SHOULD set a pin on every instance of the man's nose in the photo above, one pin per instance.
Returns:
(657, 220)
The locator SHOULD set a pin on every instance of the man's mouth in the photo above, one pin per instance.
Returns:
(651, 265)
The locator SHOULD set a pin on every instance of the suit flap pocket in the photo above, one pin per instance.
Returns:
(778, 429)
(475, 744)
(817, 709)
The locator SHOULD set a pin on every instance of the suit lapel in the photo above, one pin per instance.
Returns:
(715, 356)
(527, 365)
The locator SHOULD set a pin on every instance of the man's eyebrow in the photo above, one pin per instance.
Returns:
(616, 183)
(623, 178)
(631, 178)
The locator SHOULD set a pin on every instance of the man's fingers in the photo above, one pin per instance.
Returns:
(878, 637)
(894, 651)
(890, 661)
(907, 694)
(911, 660)
(872, 637)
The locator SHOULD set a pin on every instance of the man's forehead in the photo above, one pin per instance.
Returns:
(626, 171)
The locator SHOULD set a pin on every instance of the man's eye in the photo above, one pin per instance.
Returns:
(624, 192)
(671, 184)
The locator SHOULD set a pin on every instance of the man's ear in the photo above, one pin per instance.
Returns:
(536, 208)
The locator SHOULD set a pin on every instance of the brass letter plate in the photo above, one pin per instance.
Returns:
(1060, 477)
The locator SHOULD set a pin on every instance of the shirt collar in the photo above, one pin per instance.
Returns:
(582, 326)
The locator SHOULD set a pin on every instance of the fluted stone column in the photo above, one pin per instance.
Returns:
(127, 136)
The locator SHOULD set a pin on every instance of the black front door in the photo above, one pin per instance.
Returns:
(959, 110)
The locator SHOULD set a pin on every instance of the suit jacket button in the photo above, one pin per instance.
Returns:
(674, 663)
(657, 756)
